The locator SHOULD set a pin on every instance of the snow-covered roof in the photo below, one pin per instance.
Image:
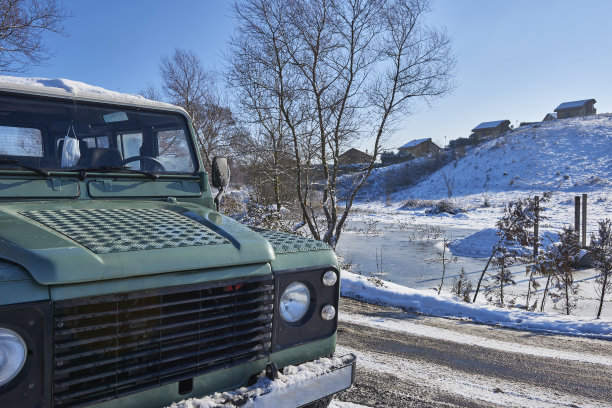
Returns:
(573, 104)
(66, 88)
(553, 114)
(490, 125)
(414, 143)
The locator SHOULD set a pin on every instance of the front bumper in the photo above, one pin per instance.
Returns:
(297, 386)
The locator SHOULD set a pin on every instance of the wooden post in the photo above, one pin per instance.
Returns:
(536, 227)
(577, 214)
(584, 219)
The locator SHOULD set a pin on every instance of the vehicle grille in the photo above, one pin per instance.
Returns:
(114, 345)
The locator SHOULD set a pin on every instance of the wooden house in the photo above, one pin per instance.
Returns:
(354, 156)
(495, 128)
(419, 147)
(576, 108)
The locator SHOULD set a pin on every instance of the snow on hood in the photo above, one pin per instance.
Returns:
(75, 89)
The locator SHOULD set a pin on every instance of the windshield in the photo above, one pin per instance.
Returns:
(67, 136)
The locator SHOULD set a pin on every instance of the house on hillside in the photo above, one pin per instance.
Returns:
(354, 156)
(576, 108)
(550, 116)
(491, 129)
(419, 147)
(389, 157)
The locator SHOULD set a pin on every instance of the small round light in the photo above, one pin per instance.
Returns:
(13, 353)
(330, 278)
(328, 312)
(294, 302)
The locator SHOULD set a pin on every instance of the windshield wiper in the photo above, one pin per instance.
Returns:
(16, 163)
(115, 169)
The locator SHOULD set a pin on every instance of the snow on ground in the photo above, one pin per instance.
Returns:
(470, 385)
(429, 303)
(404, 326)
(481, 243)
(341, 404)
(570, 155)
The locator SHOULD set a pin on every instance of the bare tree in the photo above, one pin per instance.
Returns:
(151, 92)
(563, 256)
(186, 83)
(336, 71)
(23, 24)
(263, 86)
(515, 229)
(462, 286)
(444, 259)
(502, 277)
(602, 254)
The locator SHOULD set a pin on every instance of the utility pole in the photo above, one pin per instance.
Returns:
(577, 214)
(584, 219)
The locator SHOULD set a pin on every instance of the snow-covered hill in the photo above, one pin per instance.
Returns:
(570, 155)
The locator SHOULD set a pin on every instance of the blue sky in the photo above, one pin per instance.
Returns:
(516, 59)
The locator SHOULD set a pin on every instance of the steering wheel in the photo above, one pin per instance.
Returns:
(155, 162)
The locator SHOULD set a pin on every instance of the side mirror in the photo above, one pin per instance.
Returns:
(220, 177)
(220, 173)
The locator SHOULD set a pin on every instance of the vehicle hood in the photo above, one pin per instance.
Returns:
(99, 240)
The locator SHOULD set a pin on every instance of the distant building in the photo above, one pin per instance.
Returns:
(550, 116)
(354, 156)
(388, 158)
(576, 108)
(419, 147)
(491, 129)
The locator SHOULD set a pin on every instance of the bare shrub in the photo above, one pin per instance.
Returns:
(462, 286)
(449, 182)
(563, 257)
(370, 229)
(602, 257)
(445, 206)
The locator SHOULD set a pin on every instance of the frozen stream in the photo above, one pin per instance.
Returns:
(408, 254)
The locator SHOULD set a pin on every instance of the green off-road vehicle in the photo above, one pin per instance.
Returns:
(121, 285)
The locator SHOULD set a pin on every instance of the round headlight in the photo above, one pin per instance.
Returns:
(328, 312)
(294, 302)
(330, 278)
(13, 353)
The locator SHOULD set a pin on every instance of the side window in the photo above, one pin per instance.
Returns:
(20, 141)
(100, 141)
(174, 151)
(129, 145)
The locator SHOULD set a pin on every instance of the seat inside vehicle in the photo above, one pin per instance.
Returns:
(100, 157)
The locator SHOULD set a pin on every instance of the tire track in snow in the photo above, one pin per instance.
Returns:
(473, 386)
(403, 326)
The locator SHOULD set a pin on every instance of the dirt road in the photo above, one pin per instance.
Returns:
(407, 360)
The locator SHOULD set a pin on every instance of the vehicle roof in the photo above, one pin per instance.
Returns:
(75, 90)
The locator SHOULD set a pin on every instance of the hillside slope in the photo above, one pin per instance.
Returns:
(571, 155)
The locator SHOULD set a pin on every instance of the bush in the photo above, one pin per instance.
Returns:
(444, 206)
(267, 217)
